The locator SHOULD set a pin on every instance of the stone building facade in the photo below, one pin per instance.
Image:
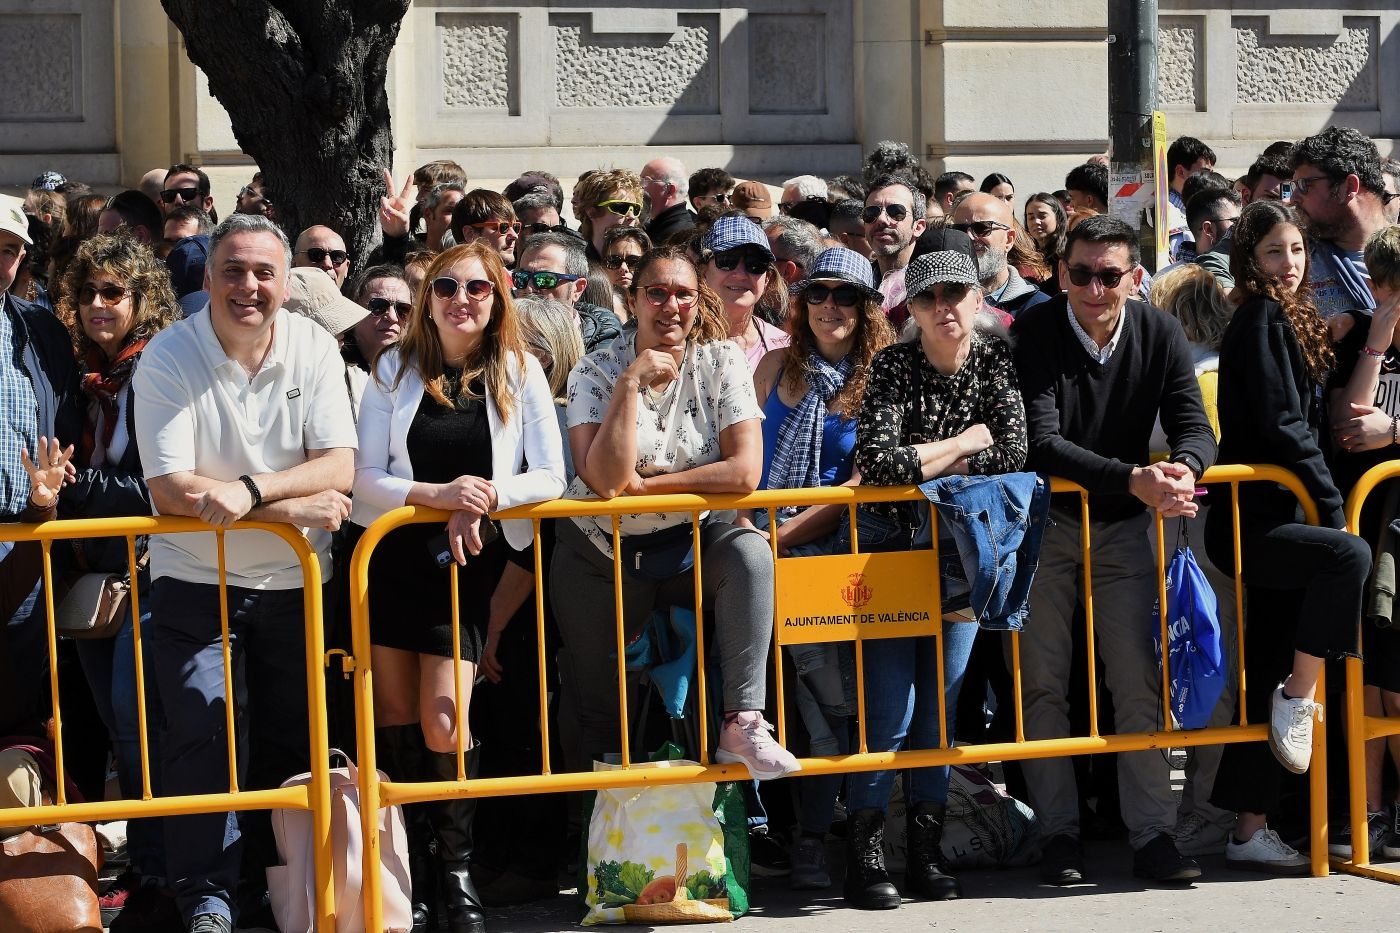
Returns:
(102, 90)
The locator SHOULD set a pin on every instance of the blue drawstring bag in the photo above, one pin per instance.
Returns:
(1194, 650)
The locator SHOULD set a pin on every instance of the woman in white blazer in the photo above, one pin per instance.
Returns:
(458, 416)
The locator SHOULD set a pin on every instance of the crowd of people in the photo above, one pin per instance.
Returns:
(884, 328)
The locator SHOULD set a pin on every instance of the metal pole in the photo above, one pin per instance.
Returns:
(1132, 96)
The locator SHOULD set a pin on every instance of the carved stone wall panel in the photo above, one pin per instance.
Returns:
(478, 62)
(787, 63)
(40, 67)
(1181, 62)
(674, 70)
(1283, 69)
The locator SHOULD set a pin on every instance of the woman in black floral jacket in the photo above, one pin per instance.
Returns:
(942, 403)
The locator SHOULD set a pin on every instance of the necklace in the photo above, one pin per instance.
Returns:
(660, 403)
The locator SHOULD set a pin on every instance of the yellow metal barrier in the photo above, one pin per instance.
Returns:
(1360, 727)
(314, 797)
(376, 794)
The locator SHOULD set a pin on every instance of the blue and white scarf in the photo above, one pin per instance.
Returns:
(798, 452)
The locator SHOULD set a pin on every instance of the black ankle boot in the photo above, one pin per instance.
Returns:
(868, 885)
(400, 751)
(451, 821)
(926, 870)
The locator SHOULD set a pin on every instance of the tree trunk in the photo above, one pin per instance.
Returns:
(303, 84)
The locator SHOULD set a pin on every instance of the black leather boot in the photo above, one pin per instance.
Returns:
(400, 751)
(868, 885)
(452, 826)
(926, 870)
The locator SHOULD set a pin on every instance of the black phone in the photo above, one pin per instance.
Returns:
(441, 551)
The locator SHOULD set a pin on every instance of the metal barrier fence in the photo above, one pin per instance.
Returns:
(314, 797)
(1362, 728)
(376, 793)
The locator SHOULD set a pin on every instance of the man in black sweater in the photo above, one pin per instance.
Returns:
(1095, 369)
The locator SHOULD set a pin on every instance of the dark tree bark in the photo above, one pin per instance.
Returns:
(303, 84)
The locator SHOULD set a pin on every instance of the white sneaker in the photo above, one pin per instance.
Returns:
(1195, 835)
(1266, 852)
(1291, 729)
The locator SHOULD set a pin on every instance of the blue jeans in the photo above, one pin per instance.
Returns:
(901, 688)
(268, 654)
(110, 667)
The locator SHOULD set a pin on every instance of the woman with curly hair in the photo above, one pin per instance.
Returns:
(115, 296)
(1274, 361)
(606, 200)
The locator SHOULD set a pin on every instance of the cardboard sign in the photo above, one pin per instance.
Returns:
(843, 597)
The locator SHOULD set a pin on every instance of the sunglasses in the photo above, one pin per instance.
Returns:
(318, 255)
(621, 208)
(379, 306)
(979, 227)
(497, 226)
(448, 288)
(184, 194)
(953, 293)
(544, 281)
(720, 198)
(895, 212)
(617, 262)
(111, 294)
(247, 193)
(1108, 278)
(657, 295)
(847, 296)
(547, 228)
(753, 265)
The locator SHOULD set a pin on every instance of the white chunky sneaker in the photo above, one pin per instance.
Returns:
(1291, 730)
(1266, 852)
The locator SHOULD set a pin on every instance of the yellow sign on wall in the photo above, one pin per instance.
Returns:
(843, 597)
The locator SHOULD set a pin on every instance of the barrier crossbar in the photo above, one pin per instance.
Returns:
(1362, 727)
(376, 793)
(313, 797)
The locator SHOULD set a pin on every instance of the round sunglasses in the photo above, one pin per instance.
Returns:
(447, 288)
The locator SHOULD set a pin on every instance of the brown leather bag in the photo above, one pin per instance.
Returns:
(48, 880)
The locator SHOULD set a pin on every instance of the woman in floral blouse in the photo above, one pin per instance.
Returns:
(666, 407)
(942, 403)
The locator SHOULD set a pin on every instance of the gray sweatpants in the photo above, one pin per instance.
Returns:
(1124, 574)
(736, 572)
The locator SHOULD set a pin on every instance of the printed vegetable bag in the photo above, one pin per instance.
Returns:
(657, 855)
(1193, 641)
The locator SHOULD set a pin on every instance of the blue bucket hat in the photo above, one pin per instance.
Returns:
(733, 233)
(842, 265)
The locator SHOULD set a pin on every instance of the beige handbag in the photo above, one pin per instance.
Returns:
(291, 884)
(96, 606)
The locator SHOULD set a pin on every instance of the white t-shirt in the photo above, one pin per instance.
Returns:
(677, 429)
(197, 411)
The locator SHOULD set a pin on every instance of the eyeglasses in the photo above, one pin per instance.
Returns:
(895, 212)
(847, 296)
(1082, 276)
(979, 227)
(622, 208)
(111, 294)
(184, 194)
(753, 265)
(1300, 185)
(657, 295)
(547, 228)
(617, 262)
(247, 192)
(544, 281)
(318, 255)
(380, 306)
(448, 288)
(497, 226)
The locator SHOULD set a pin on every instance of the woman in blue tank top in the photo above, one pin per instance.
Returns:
(811, 393)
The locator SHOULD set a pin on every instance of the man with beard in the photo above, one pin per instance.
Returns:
(988, 221)
(1338, 186)
(893, 218)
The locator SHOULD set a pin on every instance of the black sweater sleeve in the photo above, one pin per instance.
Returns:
(1183, 414)
(1270, 358)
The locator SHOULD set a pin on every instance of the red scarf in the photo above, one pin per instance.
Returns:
(102, 382)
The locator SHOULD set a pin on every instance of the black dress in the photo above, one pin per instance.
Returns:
(409, 595)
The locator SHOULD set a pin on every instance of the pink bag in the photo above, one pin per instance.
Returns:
(291, 884)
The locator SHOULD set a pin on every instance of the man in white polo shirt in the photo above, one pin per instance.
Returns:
(241, 411)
